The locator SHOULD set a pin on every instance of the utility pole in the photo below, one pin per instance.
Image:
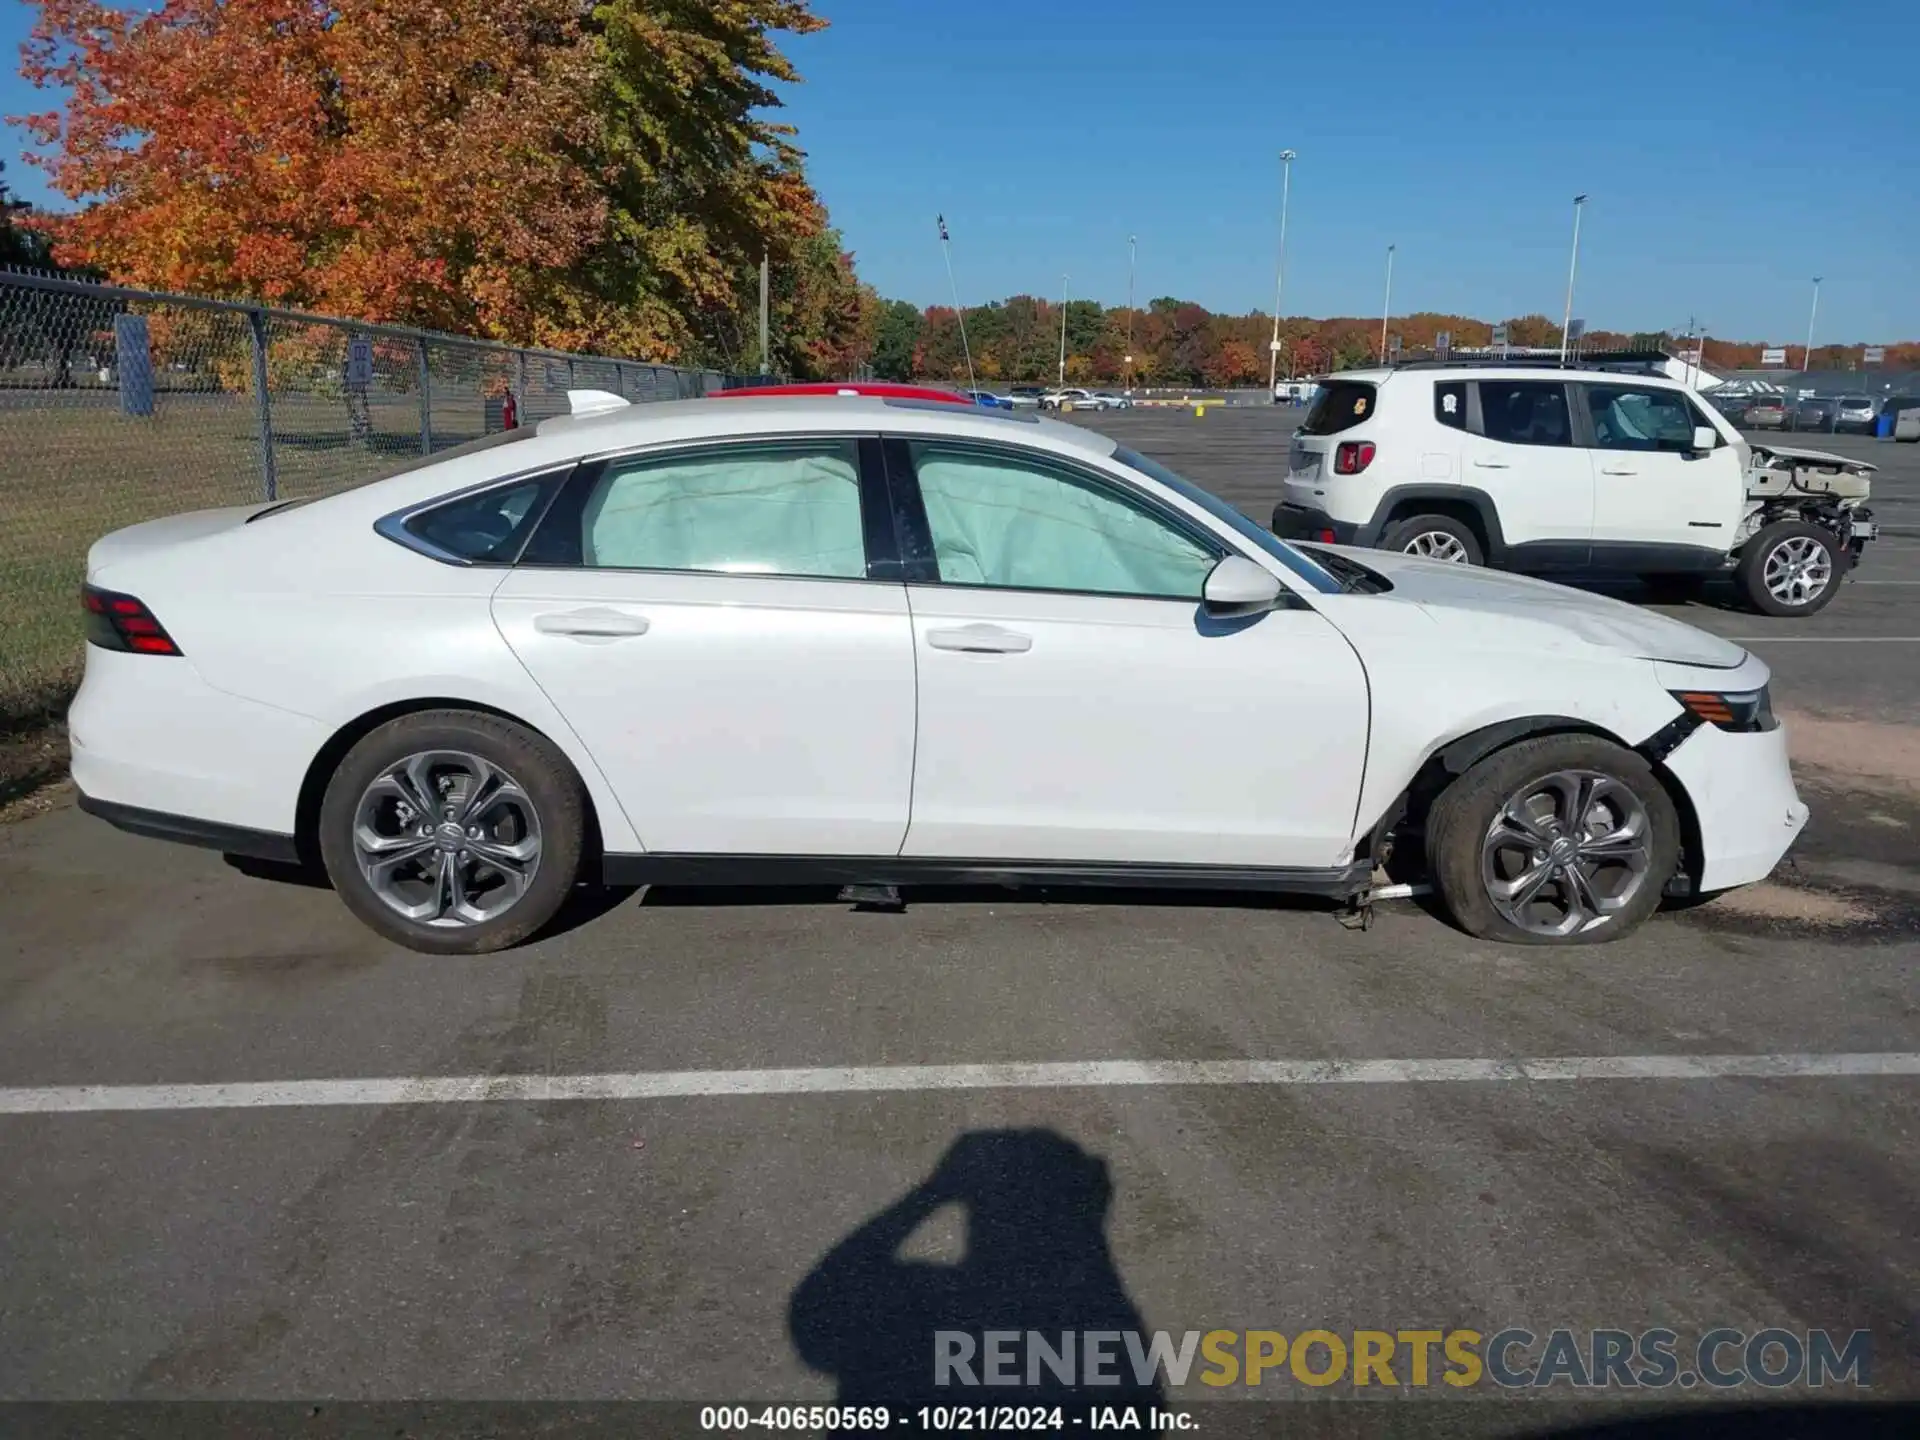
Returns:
(1386, 309)
(1806, 362)
(1280, 270)
(1133, 242)
(766, 358)
(1063, 330)
(1579, 204)
(946, 249)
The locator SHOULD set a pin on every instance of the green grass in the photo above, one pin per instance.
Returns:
(73, 468)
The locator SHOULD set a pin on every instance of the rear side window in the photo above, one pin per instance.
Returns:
(1342, 405)
(1450, 403)
(487, 527)
(1525, 412)
(779, 509)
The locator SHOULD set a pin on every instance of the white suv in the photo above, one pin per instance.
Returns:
(1570, 471)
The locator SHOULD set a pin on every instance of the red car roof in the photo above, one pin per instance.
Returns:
(879, 388)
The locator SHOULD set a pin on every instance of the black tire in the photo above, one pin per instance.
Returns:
(1463, 815)
(1403, 533)
(552, 788)
(1751, 574)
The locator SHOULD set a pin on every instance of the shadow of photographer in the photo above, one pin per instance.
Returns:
(1036, 1260)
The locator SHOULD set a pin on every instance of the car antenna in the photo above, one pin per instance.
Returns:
(946, 249)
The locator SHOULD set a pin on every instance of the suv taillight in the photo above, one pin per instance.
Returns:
(121, 622)
(1350, 457)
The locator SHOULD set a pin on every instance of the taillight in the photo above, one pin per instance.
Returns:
(122, 622)
(1350, 457)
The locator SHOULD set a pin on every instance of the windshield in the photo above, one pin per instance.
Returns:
(1297, 564)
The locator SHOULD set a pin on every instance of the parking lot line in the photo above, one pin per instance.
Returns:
(869, 1079)
(1823, 639)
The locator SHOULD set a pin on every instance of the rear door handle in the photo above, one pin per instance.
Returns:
(1617, 470)
(981, 640)
(1492, 464)
(595, 624)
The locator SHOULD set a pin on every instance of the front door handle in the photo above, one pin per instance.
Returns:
(595, 624)
(981, 640)
(1492, 464)
(1618, 470)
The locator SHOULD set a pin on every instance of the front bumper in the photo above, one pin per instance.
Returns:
(1744, 799)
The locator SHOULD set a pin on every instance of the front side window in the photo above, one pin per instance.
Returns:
(1627, 417)
(779, 509)
(1016, 522)
(1525, 412)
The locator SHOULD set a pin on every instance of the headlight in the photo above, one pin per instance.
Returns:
(1741, 711)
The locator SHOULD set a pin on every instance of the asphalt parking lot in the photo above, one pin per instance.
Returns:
(745, 1222)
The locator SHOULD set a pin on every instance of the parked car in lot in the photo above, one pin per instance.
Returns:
(1768, 414)
(1815, 412)
(988, 399)
(1110, 401)
(1856, 413)
(1550, 471)
(892, 641)
(1026, 397)
(1734, 407)
(1072, 397)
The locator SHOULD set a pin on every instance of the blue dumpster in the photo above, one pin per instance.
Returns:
(1883, 426)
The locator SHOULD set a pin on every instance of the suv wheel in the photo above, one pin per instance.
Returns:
(1434, 537)
(1790, 568)
(452, 832)
(1561, 840)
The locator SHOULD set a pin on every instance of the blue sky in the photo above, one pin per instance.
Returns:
(1732, 149)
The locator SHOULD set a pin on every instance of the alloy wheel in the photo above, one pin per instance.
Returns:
(446, 838)
(1437, 545)
(1566, 852)
(1797, 570)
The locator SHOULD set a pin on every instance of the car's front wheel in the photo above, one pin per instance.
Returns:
(1790, 568)
(1560, 840)
(453, 832)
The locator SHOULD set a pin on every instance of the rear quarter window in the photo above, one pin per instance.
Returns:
(1341, 405)
(1450, 403)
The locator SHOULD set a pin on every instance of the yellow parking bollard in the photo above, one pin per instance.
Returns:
(1200, 412)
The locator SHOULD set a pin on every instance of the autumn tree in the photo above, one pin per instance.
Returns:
(533, 170)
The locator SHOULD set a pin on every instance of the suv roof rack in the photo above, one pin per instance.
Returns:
(1588, 360)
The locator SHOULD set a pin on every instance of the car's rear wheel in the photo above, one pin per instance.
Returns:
(1561, 840)
(453, 832)
(1790, 568)
(1434, 537)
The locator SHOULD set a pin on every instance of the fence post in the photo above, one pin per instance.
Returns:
(520, 383)
(263, 407)
(426, 398)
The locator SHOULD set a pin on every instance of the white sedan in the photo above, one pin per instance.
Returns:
(851, 640)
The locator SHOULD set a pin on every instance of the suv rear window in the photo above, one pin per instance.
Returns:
(1342, 404)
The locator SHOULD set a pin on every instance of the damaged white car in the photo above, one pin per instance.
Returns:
(1572, 472)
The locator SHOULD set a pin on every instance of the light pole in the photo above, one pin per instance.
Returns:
(1133, 243)
(1063, 330)
(1806, 363)
(1573, 266)
(1280, 270)
(1386, 309)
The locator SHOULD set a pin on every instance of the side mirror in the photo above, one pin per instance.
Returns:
(1705, 437)
(1237, 586)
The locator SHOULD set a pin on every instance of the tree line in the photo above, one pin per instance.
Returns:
(599, 177)
(1176, 342)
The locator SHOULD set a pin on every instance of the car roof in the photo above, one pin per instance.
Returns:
(1378, 375)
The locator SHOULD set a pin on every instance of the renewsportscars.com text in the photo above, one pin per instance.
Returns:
(1513, 1358)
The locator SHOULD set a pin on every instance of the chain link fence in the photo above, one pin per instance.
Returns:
(118, 406)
